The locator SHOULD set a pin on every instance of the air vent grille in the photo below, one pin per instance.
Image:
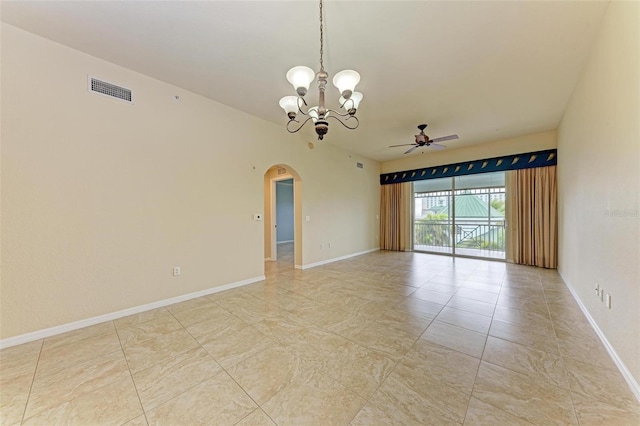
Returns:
(111, 90)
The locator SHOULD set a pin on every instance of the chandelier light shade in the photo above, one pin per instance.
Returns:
(301, 77)
(290, 105)
(346, 82)
(352, 103)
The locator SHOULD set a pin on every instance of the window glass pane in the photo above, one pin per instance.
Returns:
(432, 185)
(481, 180)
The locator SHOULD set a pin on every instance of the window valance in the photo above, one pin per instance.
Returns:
(528, 160)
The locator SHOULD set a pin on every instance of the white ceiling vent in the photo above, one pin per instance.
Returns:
(108, 89)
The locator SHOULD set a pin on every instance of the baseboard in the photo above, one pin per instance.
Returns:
(626, 374)
(335, 259)
(64, 328)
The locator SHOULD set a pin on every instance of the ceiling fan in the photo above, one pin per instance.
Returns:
(423, 140)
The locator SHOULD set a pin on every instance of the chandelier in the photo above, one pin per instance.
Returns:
(301, 77)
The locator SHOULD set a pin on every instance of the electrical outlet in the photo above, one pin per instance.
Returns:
(176, 271)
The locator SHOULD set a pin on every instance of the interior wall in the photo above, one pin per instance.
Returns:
(101, 199)
(517, 145)
(599, 183)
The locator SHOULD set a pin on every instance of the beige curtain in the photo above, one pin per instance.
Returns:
(395, 216)
(532, 217)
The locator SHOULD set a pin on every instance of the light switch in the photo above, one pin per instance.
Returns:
(308, 218)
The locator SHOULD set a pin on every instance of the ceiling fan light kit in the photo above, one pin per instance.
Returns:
(423, 140)
(301, 77)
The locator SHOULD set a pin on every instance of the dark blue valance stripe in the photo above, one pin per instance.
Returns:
(529, 160)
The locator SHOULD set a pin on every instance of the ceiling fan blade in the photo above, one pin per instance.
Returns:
(404, 144)
(445, 138)
(436, 146)
(412, 149)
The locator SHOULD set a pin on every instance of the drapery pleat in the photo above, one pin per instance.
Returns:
(532, 219)
(395, 217)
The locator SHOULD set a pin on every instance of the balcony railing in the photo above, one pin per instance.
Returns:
(485, 239)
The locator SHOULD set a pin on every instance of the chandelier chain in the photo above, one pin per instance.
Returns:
(321, 39)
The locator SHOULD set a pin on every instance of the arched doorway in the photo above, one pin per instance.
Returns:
(275, 174)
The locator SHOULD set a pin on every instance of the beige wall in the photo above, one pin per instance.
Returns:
(521, 144)
(100, 199)
(599, 183)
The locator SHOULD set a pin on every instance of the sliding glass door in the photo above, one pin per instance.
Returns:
(461, 216)
(433, 216)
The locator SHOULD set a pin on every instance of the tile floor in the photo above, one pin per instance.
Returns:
(384, 338)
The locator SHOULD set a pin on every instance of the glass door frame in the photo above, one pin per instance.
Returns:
(452, 220)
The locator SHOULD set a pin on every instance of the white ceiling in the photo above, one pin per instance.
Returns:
(483, 70)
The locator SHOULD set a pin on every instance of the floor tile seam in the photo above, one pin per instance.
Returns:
(436, 379)
(434, 406)
(475, 380)
(439, 292)
(26, 403)
(533, 376)
(218, 331)
(134, 340)
(613, 369)
(366, 402)
(485, 335)
(91, 361)
(634, 408)
(514, 322)
(256, 409)
(573, 405)
(175, 318)
(367, 398)
(140, 343)
(236, 315)
(198, 383)
(192, 384)
(462, 326)
(536, 384)
(387, 354)
(557, 342)
(316, 370)
(572, 373)
(163, 308)
(45, 350)
(245, 356)
(311, 368)
(530, 348)
(173, 356)
(217, 297)
(500, 409)
(472, 300)
(519, 343)
(135, 386)
(103, 385)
